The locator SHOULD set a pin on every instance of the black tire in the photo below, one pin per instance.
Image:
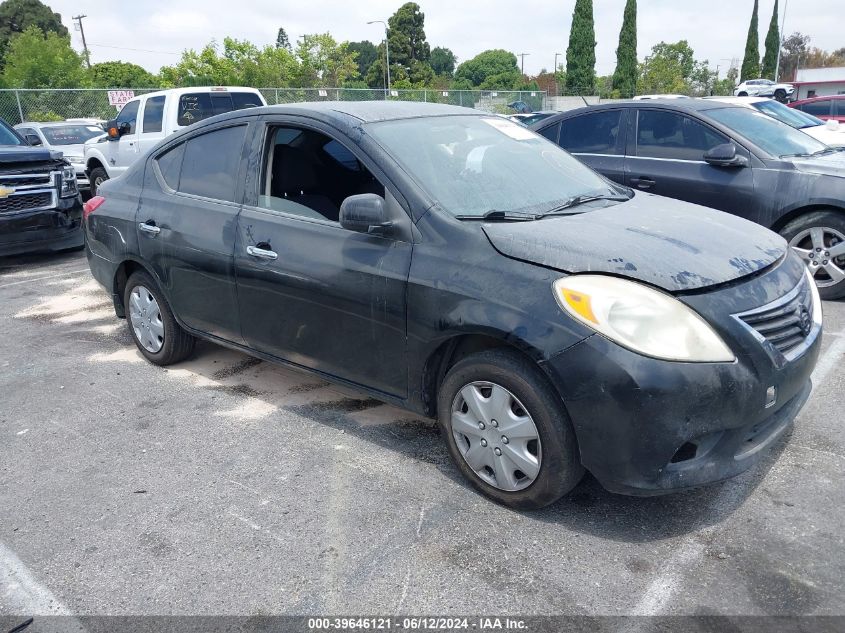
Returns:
(780, 95)
(742, 94)
(560, 466)
(177, 344)
(97, 174)
(831, 220)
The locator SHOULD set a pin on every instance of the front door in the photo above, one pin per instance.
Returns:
(666, 157)
(310, 291)
(124, 151)
(186, 225)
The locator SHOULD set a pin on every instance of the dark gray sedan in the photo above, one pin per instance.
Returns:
(723, 156)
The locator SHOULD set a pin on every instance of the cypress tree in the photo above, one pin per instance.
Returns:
(625, 76)
(770, 59)
(581, 53)
(751, 61)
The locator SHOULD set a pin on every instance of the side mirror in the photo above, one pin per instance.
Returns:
(365, 213)
(33, 139)
(725, 156)
(115, 130)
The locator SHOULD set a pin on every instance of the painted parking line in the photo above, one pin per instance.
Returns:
(829, 360)
(20, 593)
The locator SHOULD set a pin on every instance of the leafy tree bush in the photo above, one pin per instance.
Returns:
(581, 53)
(16, 16)
(625, 76)
(751, 61)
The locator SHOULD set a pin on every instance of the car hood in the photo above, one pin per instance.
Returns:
(674, 245)
(832, 164)
(833, 138)
(77, 149)
(26, 154)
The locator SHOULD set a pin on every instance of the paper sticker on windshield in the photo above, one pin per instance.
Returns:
(514, 130)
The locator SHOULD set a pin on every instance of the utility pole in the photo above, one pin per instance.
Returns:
(78, 20)
(522, 55)
(780, 45)
(554, 72)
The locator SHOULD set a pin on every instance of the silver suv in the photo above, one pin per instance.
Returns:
(764, 88)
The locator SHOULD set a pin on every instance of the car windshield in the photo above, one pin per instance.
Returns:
(472, 165)
(770, 135)
(70, 134)
(7, 136)
(790, 116)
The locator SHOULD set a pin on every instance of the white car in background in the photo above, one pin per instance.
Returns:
(68, 137)
(830, 133)
(764, 88)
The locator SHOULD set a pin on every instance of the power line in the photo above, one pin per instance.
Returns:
(139, 50)
(78, 19)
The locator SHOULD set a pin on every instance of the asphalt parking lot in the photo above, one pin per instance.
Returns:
(226, 485)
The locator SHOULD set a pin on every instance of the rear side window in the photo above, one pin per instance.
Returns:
(153, 115)
(817, 108)
(211, 162)
(552, 132)
(170, 165)
(197, 106)
(593, 133)
(674, 136)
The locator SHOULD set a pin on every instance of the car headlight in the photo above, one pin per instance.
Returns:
(641, 318)
(69, 187)
(76, 160)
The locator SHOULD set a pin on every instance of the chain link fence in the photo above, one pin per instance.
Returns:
(17, 106)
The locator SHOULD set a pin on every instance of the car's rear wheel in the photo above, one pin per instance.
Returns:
(97, 177)
(780, 95)
(507, 430)
(819, 238)
(742, 94)
(151, 322)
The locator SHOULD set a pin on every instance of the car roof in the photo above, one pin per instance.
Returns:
(747, 101)
(192, 89)
(681, 105)
(819, 98)
(54, 123)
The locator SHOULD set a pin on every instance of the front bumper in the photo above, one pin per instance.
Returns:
(647, 426)
(46, 230)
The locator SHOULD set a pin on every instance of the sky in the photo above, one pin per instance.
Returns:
(157, 31)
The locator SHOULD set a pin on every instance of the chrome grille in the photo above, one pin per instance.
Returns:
(27, 180)
(26, 202)
(786, 322)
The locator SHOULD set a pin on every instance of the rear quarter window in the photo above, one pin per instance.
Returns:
(197, 106)
(170, 165)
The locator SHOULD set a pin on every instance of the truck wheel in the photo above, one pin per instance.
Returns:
(97, 177)
(819, 238)
(507, 430)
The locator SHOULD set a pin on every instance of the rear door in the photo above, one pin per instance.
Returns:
(597, 139)
(666, 157)
(186, 225)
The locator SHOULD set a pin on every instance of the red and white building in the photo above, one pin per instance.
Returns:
(819, 82)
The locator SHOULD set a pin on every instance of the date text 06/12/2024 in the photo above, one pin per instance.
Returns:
(481, 624)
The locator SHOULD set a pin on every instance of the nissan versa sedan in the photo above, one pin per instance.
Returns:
(724, 156)
(463, 267)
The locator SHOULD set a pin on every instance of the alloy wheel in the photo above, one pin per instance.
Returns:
(823, 250)
(496, 436)
(145, 316)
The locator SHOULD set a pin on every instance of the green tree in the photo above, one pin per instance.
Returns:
(443, 61)
(121, 75)
(581, 52)
(794, 50)
(625, 76)
(673, 69)
(38, 60)
(751, 61)
(406, 34)
(323, 62)
(490, 70)
(367, 54)
(770, 59)
(18, 15)
(282, 40)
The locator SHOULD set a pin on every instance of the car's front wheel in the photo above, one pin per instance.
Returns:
(507, 430)
(819, 238)
(742, 94)
(151, 322)
(97, 177)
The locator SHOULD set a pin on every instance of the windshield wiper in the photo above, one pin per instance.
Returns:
(820, 152)
(494, 215)
(574, 201)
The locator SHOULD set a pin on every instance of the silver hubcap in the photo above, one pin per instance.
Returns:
(145, 317)
(823, 250)
(496, 436)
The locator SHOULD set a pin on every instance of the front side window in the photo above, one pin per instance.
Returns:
(129, 114)
(211, 162)
(662, 134)
(471, 165)
(153, 115)
(592, 133)
(309, 174)
(773, 137)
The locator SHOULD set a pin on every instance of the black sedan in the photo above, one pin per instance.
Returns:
(724, 156)
(458, 265)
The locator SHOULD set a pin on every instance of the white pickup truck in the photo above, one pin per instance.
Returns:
(147, 119)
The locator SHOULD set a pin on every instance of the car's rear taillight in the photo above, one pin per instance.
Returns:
(92, 205)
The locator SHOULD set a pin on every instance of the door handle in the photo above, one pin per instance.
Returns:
(261, 253)
(643, 183)
(149, 227)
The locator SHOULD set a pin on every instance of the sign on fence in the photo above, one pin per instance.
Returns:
(120, 97)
